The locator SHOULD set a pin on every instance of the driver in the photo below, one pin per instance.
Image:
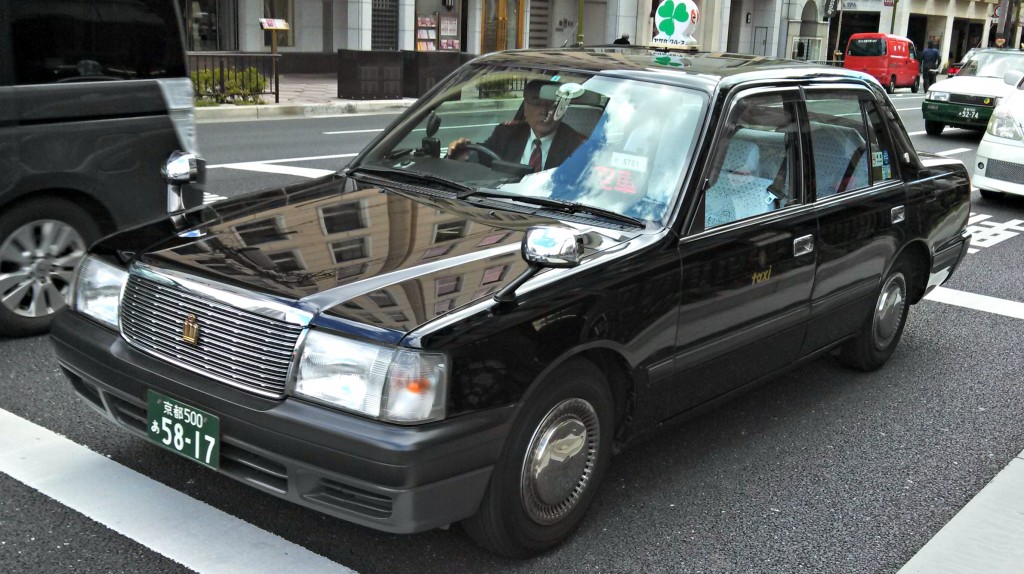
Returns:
(537, 140)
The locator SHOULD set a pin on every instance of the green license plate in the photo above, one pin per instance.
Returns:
(969, 113)
(184, 429)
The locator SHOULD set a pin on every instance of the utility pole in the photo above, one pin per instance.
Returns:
(839, 33)
(892, 23)
(579, 26)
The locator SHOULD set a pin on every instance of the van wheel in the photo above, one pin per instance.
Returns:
(989, 194)
(40, 246)
(881, 331)
(933, 128)
(891, 86)
(551, 465)
(917, 85)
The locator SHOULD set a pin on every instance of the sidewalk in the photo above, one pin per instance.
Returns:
(302, 95)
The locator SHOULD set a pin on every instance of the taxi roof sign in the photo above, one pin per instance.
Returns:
(273, 24)
(674, 21)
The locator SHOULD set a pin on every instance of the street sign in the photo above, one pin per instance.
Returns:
(273, 24)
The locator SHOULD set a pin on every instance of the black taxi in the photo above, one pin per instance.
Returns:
(548, 257)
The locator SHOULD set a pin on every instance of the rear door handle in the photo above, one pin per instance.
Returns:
(898, 214)
(803, 245)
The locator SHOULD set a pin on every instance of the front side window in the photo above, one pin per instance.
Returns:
(753, 169)
(619, 145)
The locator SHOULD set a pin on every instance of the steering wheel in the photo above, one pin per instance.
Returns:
(481, 152)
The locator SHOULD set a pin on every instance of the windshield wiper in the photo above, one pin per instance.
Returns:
(413, 177)
(558, 204)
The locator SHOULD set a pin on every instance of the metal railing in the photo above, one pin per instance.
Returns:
(222, 62)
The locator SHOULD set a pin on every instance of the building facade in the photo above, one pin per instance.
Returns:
(803, 29)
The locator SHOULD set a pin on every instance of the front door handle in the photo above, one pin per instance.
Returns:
(803, 245)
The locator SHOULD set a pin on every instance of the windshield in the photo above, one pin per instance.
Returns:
(866, 47)
(618, 145)
(992, 64)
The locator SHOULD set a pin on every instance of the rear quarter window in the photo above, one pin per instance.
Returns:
(60, 41)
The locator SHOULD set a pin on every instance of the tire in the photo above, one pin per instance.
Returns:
(55, 235)
(881, 331)
(891, 86)
(933, 128)
(916, 87)
(534, 501)
(989, 194)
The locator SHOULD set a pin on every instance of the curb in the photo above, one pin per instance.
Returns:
(230, 112)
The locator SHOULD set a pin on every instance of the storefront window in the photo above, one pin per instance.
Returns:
(211, 25)
(283, 10)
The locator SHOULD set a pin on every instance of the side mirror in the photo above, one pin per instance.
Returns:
(1014, 77)
(544, 246)
(181, 168)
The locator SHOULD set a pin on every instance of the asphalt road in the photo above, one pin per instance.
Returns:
(823, 470)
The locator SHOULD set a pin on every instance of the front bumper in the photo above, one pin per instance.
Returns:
(956, 114)
(999, 166)
(387, 477)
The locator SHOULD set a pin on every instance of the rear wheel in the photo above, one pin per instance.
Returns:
(551, 466)
(933, 128)
(40, 245)
(881, 332)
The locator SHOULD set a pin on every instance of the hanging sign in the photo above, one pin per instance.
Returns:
(675, 21)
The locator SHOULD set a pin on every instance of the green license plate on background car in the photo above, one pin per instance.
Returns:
(184, 429)
(969, 113)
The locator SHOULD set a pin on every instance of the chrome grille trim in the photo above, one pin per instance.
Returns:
(239, 344)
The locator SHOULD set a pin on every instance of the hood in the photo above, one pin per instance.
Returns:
(973, 86)
(383, 259)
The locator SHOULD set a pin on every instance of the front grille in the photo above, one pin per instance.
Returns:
(235, 346)
(972, 100)
(1005, 171)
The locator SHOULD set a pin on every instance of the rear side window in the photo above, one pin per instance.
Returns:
(55, 41)
(866, 47)
(850, 146)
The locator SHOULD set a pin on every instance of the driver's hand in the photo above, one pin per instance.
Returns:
(457, 149)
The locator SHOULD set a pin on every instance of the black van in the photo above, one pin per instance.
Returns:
(94, 98)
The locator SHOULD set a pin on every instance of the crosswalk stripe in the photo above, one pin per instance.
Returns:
(977, 302)
(145, 510)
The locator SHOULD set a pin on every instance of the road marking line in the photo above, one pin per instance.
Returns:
(977, 302)
(115, 496)
(907, 109)
(285, 160)
(281, 169)
(916, 133)
(373, 131)
(953, 151)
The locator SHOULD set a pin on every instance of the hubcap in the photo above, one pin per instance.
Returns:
(37, 262)
(560, 460)
(889, 310)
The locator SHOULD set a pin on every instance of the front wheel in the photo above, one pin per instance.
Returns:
(551, 466)
(891, 86)
(933, 128)
(917, 85)
(881, 331)
(989, 194)
(40, 245)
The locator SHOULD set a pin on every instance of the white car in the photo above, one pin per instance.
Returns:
(1000, 165)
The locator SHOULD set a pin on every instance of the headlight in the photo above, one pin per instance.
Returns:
(395, 385)
(1003, 125)
(938, 96)
(98, 291)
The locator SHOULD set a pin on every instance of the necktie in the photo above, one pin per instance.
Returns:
(535, 159)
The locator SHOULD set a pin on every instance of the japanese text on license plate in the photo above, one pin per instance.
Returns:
(184, 429)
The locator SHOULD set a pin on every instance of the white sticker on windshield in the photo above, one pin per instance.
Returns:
(629, 161)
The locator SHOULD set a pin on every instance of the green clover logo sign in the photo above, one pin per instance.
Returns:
(672, 13)
(667, 61)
